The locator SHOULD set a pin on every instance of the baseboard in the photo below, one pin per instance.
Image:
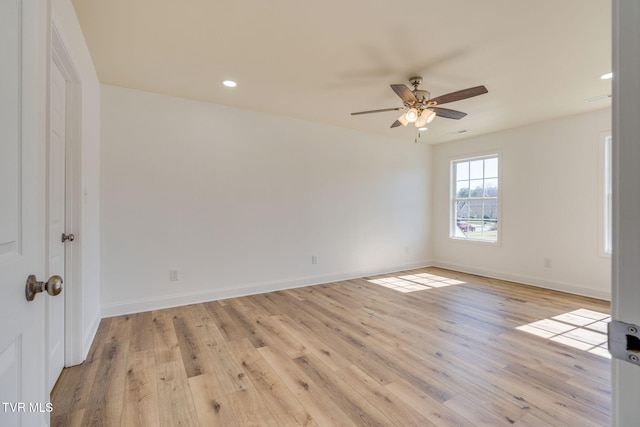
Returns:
(185, 298)
(570, 288)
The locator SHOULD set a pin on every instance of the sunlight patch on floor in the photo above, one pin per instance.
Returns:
(582, 329)
(415, 282)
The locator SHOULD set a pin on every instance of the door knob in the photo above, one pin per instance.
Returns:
(69, 237)
(53, 286)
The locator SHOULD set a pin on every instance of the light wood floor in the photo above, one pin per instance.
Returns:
(419, 348)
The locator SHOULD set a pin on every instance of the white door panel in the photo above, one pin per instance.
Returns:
(9, 134)
(23, 398)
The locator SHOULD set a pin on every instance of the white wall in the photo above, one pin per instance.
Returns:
(240, 201)
(550, 206)
(88, 315)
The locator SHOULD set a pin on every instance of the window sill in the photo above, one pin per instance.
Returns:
(475, 241)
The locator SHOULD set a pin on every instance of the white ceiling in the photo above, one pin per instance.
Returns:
(321, 60)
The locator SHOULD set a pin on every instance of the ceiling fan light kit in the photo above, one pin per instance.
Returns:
(426, 117)
(420, 109)
(411, 115)
(422, 120)
(431, 116)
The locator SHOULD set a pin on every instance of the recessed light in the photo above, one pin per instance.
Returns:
(229, 83)
(606, 76)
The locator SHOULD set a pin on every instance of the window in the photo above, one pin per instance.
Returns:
(607, 228)
(475, 199)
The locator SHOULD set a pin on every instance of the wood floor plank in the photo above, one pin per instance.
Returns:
(543, 403)
(553, 379)
(174, 396)
(140, 400)
(444, 383)
(398, 412)
(229, 370)
(191, 349)
(530, 420)
(312, 342)
(211, 403)
(246, 323)
(505, 408)
(578, 363)
(284, 407)
(74, 387)
(278, 335)
(165, 340)
(229, 328)
(104, 405)
(326, 301)
(141, 338)
(353, 404)
(475, 413)
(436, 412)
(323, 410)
(593, 386)
(348, 343)
(250, 409)
(451, 349)
(68, 419)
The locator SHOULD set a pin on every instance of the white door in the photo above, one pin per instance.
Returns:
(56, 220)
(23, 397)
(625, 295)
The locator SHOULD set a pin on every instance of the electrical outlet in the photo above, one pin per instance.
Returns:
(548, 262)
(174, 276)
(314, 259)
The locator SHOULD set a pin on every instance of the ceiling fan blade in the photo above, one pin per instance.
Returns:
(377, 111)
(396, 124)
(459, 95)
(404, 93)
(449, 114)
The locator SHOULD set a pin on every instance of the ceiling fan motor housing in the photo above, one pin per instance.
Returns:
(422, 95)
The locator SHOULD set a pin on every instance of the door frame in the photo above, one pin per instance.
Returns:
(73, 196)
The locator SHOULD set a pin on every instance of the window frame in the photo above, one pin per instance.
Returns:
(497, 154)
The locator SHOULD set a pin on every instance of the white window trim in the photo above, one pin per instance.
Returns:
(452, 208)
(605, 229)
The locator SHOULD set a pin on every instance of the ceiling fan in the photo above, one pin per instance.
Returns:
(419, 109)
